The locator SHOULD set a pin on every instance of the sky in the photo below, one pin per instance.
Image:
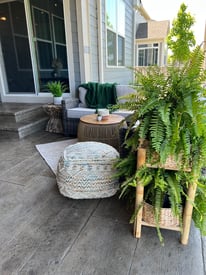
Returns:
(167, 10)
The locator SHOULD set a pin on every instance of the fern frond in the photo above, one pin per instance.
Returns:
(157, 131)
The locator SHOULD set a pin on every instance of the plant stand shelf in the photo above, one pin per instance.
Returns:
(187, 211)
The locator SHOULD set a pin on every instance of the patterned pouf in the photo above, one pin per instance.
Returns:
(86, 171)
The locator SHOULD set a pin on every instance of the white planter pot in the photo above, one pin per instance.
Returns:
(57, 100)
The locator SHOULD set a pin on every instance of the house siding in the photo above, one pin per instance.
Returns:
(121, 75)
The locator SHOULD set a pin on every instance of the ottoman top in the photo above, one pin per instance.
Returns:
(90, 150)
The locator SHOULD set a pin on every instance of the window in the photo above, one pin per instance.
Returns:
(115, 22)
(148, 54)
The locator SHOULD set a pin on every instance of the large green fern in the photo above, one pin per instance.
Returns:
(172, 116)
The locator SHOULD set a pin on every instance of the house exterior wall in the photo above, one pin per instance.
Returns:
(97, 48)
(87, 48)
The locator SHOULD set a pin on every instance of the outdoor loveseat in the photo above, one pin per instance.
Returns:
(74, 108)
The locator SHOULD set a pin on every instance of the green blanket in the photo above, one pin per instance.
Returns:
(100, 95)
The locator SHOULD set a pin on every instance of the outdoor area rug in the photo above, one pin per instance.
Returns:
(52, 151)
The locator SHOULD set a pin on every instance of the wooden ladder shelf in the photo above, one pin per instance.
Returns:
(187, 211)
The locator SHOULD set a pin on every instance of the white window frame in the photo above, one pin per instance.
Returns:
(117, 33)
(151, 47)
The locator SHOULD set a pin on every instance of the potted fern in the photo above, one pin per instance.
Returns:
(171, 112)
(57, 88)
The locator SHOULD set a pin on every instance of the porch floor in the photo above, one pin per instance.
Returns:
(42, 232)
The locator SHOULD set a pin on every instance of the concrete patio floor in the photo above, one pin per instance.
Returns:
(42, 232)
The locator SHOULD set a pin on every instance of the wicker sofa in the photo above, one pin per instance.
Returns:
(74, 108)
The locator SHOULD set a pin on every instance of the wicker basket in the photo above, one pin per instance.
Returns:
(167, 219)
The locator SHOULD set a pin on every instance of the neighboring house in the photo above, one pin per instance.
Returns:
(151, 47)
(74, 41)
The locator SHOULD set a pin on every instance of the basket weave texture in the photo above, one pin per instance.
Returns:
(86, 171)
(167, 219)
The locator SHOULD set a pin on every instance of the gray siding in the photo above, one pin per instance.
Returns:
(121, 75)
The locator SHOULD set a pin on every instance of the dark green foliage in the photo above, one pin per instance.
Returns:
(172, 118)
(57, 88)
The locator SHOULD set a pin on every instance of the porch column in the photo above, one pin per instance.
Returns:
(82, 7)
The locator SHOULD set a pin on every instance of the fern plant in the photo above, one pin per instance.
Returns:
(57, 88)
(170, 108)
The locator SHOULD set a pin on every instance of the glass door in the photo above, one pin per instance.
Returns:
(15, 48)
(50, 42)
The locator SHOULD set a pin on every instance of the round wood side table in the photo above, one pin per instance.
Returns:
(106, 131)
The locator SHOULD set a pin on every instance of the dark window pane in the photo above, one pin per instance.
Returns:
(18, 18)
(62, 55)
(141, 58)
(45, 55)
(41, 19)
(120, 51)
(59, 30)
(23, 56)
(111, 48)
(142, 46)
(155, 56)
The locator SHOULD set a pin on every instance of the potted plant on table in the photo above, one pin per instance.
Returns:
(57, 88)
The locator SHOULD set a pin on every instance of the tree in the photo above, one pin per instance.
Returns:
(181, 38)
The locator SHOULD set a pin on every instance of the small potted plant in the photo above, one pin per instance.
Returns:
(57, 88)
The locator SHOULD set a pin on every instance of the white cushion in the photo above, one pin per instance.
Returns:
(79, 112)
(123, 113)
(82, 94)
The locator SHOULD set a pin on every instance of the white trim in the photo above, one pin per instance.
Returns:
(100, 40)
(68, 33)
(82, 8)
(31, 45)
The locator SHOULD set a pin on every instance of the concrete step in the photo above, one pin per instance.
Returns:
(16, 112)
(21, 120)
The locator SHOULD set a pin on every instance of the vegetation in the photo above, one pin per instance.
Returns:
(171, 113)
(181, 38)
(57, 88)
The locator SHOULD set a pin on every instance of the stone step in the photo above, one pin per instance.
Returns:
(24, 128)
(21, 120)
(16, 112)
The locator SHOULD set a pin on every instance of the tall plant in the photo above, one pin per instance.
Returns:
(171, 113)
(181, 38)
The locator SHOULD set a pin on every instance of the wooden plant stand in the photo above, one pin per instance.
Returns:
(187, 211)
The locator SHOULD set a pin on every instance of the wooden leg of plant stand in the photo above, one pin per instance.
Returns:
(141, 158)
(187, 216)
(138, 218)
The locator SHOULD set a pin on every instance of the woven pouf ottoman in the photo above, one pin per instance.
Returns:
(86, 171)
